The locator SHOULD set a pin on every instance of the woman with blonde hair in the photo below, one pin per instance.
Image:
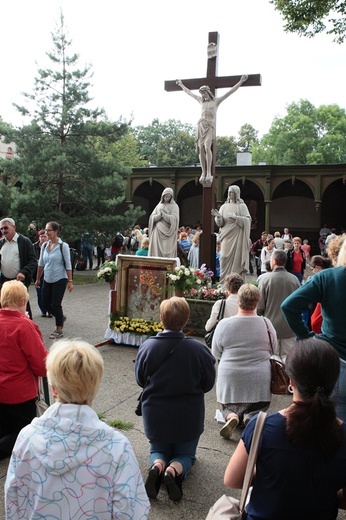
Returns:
(23, 355)
(296, 259)
(175, 372)
(72, 464)
(243, 344)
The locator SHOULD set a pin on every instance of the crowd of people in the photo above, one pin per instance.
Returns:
(294, 313)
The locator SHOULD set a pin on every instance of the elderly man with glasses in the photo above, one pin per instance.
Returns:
(18, 259)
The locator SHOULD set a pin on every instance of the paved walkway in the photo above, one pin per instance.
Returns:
(86, 309)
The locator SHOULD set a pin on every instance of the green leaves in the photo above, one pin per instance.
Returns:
(308, 18)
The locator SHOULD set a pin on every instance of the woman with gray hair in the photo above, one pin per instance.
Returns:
(67, 463)
(242, 344)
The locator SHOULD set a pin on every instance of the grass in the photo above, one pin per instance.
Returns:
(121, 425)
(116, 423)
(85, 279)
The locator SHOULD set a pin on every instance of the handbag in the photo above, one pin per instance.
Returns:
(41, 405)
(209, 335)
(279, 379)
(138, 409)
(229, 508)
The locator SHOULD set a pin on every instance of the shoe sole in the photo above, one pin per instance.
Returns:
(174, 492)
(151, 484)
(229, 428)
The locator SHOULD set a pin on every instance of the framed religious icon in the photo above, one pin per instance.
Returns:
(142, 285)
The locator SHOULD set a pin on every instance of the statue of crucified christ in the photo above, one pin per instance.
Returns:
(206, 125)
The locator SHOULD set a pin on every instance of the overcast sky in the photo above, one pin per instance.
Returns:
(133, 46)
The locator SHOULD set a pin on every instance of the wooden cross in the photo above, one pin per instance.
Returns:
(214, 82)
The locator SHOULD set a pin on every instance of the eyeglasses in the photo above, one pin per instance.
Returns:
(48, 230)
(4, 227)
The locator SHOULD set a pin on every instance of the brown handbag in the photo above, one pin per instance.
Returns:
(279, 379)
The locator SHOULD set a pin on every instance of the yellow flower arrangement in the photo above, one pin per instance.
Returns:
(135, 325)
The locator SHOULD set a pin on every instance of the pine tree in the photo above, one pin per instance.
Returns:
(64, 172)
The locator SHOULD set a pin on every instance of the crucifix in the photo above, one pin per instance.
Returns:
(206, 130)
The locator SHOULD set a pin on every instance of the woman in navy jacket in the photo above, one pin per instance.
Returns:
(180, 371)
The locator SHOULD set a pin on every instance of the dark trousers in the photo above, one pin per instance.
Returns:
(87, 253)
(100, 256)
(3, 279)
(39, 298)
(52, 295)
(13, 417)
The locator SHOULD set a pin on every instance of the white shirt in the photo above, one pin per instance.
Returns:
(10, 261)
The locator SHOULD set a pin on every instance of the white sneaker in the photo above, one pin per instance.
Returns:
(227, 430)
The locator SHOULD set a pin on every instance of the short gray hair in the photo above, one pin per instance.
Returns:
(7, 219)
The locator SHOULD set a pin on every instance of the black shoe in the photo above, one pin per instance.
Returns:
(174, 485)
(153, 482)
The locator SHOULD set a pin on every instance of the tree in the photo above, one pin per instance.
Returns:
(171, 143)
(226, 151)
(306, 135)
(311, 17)
(64, 170)
(248, 137)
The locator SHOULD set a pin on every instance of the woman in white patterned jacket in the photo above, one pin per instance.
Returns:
(67, 463)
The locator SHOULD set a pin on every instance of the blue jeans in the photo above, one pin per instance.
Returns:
(299, 276)
(183, 452)
(87, 253)
(339, 392)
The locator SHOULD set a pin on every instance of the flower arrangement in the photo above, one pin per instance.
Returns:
(204, 293)
(183, 279)
(204, 273)
(107, 271)
(135, 325)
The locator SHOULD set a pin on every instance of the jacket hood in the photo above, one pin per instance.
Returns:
(65, 436)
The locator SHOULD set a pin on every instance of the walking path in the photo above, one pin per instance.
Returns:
(86, 309)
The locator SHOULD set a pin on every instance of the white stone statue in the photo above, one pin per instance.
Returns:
(163, 227)
(206, 125)
(234, 221)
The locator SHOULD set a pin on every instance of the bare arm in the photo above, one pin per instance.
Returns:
(188, 91)
(235, 471)
(233, 89)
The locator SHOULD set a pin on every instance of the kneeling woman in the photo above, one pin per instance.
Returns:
(175, 372)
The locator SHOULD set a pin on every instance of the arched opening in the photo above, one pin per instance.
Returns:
(293, 206)
(147, 196)
(333, 208)
(190, 201)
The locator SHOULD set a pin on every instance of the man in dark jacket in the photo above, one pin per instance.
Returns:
(18, 259)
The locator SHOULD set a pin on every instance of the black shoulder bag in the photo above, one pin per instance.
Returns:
(138, 410)
(209, 335)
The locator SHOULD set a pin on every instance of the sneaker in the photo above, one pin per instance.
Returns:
(246, 420)
(227, 430)
(57, 334)
(43, 315)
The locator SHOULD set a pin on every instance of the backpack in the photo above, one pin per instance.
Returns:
(118, 240)
(73, 256)
(134, 243)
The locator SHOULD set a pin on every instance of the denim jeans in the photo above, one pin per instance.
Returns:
(183, 452)
(339, 392)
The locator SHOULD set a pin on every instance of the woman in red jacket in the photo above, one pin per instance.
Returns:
(23, 356)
